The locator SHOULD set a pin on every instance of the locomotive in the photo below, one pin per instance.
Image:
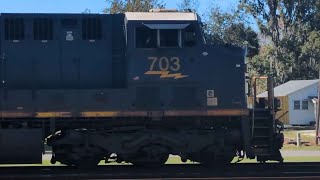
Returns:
(132, 87)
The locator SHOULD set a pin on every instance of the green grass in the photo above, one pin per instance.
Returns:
(307, 141)
(176, 160)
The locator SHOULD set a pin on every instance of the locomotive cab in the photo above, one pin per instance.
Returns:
(172, 68)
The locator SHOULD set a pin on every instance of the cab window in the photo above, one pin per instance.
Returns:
(146, 38)
(169, 37)
(189, 37)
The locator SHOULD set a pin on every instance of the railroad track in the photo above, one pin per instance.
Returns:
(234, 171)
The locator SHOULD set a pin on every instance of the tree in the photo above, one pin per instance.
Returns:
(230, 28)
(189, 4)
(86, 11)
(121, 6)
(310, 55)
(288, 25)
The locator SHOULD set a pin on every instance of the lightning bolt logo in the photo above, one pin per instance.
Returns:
(166, 74)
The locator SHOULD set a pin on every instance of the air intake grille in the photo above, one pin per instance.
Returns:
(14, 29)
(91, 29)
(43, 29)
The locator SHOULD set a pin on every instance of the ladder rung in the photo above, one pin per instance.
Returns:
(262, 127)
(261, 145)
(261, 118)
(261, 150)
(258, 154)
(261, 136)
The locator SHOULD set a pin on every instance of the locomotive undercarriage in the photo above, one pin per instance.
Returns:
(88, 147)
(145, 145)
(140, 141)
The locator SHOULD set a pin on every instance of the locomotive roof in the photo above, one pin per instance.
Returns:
(161, 16)
(131, 16)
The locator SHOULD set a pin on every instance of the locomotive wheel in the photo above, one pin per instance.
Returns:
(62, 154)
(86, 157)
(211, 155)
(151, 155)
(225, 157)
(262, 159)
(226, 153)
(78, 156)
(208, 156)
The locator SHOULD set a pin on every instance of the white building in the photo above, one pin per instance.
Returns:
(297, 101)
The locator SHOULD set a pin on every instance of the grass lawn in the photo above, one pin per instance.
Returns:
(307, 140)
(176, 160)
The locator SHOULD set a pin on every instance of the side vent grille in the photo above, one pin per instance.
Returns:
(91, 29)
(14, 29)
(43, 29)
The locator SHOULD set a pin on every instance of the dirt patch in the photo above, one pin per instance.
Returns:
(288, 141)
(307, 139)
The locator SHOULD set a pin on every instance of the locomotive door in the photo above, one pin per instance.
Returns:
(69, 60)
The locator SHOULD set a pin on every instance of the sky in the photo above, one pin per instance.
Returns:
(78, 6)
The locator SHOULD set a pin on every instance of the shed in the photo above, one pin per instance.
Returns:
(296, 105)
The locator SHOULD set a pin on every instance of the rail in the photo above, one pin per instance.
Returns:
(190, 171)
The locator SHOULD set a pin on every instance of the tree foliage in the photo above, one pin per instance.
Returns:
(230, 28)
(189, 4)
(289, 26)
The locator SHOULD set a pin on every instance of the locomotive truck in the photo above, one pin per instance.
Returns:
(133, 87)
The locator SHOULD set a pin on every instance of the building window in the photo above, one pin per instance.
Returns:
(91, 29)
(296, 105)
(43, 29)
(14, 29)
(146, 38)
(189, 37)
(305, 105)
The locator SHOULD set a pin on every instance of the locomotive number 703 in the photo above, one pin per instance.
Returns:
(165, 63)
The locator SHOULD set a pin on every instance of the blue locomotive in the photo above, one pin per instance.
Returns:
(131, 87)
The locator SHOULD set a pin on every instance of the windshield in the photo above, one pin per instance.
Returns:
(202, 30)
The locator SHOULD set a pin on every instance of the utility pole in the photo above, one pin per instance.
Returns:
(318, 112)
